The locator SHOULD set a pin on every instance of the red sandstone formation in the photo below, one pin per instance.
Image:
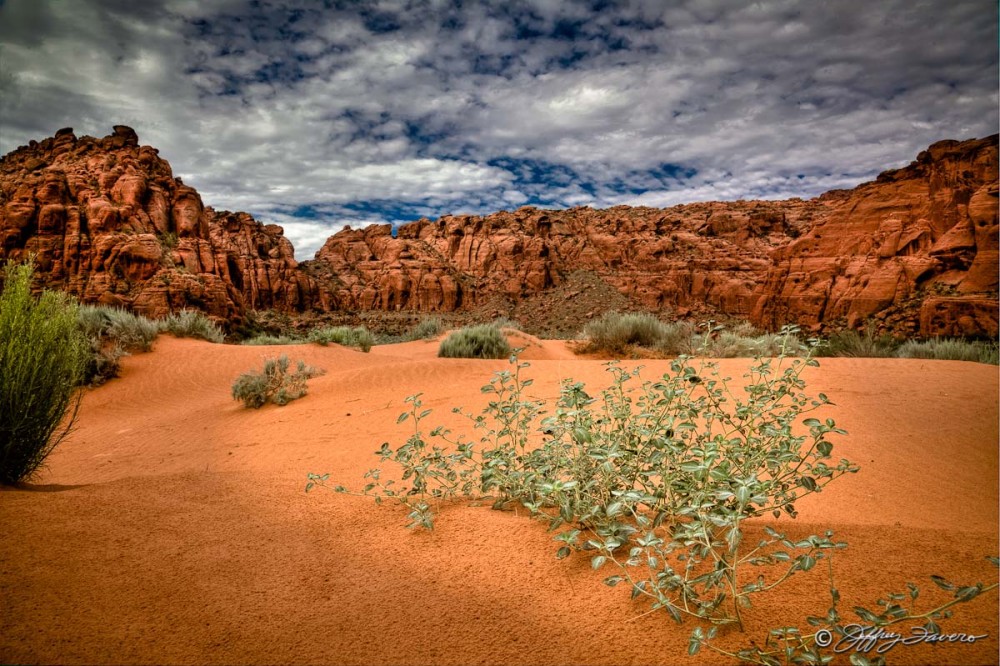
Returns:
(109, 223)
(915, 251)
(705, 257)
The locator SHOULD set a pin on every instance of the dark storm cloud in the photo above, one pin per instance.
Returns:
(316, 114)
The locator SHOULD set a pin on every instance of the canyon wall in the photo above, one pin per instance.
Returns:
(914, 252)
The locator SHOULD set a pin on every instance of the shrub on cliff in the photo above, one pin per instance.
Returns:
(42, 357)
(275, 383)
(482, 341)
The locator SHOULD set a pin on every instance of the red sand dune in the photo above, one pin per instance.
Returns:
(173, 528)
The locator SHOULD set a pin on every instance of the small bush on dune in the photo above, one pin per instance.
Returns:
(357, 336)
(616, 333)
(427, 328)
(483, 341)
(731, 344)
(134, 332)
(193, 324)
(949, 349)
(112, 333)
(862, 345)
(264, 339)
(42, 357)
(275, 383)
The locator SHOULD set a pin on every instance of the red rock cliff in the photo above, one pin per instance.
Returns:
(916, 250)
(109, 223)
(705, 257)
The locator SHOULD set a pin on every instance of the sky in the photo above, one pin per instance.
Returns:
(316, 115)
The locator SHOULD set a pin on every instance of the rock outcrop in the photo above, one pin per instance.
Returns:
(693, 259)
(915, 251)
(108, 222)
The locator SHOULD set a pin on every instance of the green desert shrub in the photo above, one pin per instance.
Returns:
(616, 333)
(134, 332)
(862, 345)
(42, 358)
(275, 383)
(506, 322)
(112, 333)
(950, 349)
(265, 339)
(193, 324)
(482, 341)
(732, 344)
(426, 328)
(348, 336)
(661, 482)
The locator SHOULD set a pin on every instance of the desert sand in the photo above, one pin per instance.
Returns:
(172, 526)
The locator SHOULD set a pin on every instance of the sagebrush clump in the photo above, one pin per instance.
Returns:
(193, 324)
(42, 360)
(426, 328)
(482, 341)
(348, 336)
(275, 383)
(866, 344)
(617, 333)
(950, 349)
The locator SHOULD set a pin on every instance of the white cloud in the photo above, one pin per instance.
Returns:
(291, 108)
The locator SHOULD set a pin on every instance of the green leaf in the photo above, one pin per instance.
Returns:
(824, 448)
(812, 423)
(611, 581)
(808, 483)
(942, 583)
(742, 495)
(694, 644)
(865, 614)
(857, 659)
(967, 593)
(598, 561)
(402, 417)
(563, 552)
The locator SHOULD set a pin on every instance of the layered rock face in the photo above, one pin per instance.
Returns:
(692, 259)
(108, 222)
(915, 250)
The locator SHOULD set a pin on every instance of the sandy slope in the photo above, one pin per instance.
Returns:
(172, 527)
